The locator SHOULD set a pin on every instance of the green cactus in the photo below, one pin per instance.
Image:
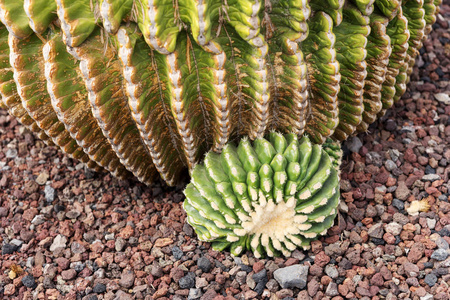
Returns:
(145, 88)
(270, 197)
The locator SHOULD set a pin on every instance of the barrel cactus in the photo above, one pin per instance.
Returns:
(145, 88)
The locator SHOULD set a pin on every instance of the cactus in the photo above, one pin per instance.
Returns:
(270, 197)
(145, 88)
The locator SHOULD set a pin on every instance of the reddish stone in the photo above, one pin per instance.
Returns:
(289, 262)
(416, 252)
(410, 156)
(258, 266)
(377, 280)
(69, 274)
(321, 259)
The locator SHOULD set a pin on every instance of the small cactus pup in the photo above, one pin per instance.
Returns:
(271, 196)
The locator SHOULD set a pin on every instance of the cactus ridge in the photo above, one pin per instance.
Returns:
(146, 88)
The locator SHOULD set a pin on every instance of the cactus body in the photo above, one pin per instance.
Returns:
(270, 197)
(141, 88)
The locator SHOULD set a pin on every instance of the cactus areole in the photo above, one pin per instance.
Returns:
(145, 88)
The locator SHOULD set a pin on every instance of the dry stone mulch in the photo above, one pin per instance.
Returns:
(68, 233)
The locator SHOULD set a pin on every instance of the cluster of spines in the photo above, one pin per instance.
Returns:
(216, 70)
(270, 197)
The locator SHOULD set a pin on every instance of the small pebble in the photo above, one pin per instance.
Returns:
(29, 281)
(440, 254)
(99, 288)
(187, 282)
(430, 279)
(204, 264)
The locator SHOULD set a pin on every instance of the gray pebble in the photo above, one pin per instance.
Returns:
(38, 220)
(11, 153)
(16, 242)
(29, 281)
(439, 254)
(120, 244)
(187, 281)
(99, 288)
(442, 244)
(430, 279)
(374, 158)
(260, 276)
(241, 276)
(431, 177)
(49, 193)
(204, 264)
(9, 249)
(194, 294)
(332, 289)
(354, 144)
(292, 276)
(376, 231)
(331, 271)
(177, 252)
(431, 223)
(390, 165)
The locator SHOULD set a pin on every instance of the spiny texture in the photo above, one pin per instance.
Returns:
(270, 197)
(145, 88)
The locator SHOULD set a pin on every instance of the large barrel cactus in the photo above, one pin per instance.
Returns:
(145, 88)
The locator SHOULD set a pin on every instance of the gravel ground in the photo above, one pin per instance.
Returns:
(68, 233)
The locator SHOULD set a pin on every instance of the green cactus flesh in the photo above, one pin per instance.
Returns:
(145, 88)
(270, 197)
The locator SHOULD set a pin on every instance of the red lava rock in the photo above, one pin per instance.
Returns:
(220, 279)
(313, 287)
(62, 262)
(127, 279)
(373, 290)
(209, 295)
(9, 290)
(321, 259)
(69, 274)
(325, 280)
(86, 272)
(126, 232)
(377, 279)
(410, 156)
(291, 261)
(316, 270)
(163, 242)
(281, 294)
(416, 252)
(402, 192)
(411, 270)
(258, 266)
(250, 294)
(29, 214)
(316, 246)
(176, 274)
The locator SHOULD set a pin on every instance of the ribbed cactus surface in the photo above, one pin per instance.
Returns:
(141, 87)
(145, 88)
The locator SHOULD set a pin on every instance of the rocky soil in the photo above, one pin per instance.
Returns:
(69, 233)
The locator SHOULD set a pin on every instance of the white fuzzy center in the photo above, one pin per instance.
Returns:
(273, 220)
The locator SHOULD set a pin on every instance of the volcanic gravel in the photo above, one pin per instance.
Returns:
(69, 233)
